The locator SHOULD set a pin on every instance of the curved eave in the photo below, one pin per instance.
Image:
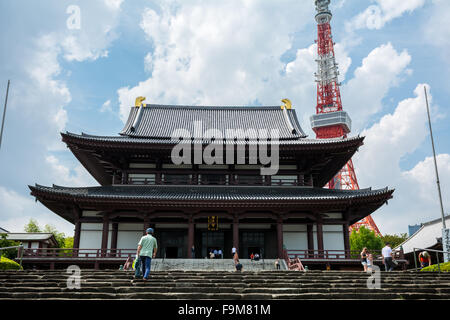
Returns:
(61, 199)
(126, 143)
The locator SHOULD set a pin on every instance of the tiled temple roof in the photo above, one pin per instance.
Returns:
(209, 193)
(160, 121)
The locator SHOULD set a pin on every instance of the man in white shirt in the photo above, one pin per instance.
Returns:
(387, 257)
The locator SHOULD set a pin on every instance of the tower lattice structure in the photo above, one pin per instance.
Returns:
(330, 120)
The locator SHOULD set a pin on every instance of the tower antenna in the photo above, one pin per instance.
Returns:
(330, 120)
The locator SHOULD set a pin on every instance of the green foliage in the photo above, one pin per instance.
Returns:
(32, 226)
(59, 236)
(365, 238)
(394, 239)
(445, 267)
(68, 243)
(8, 264)
(9, 253)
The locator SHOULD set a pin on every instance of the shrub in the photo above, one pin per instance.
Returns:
(8, 264)
(445, 267)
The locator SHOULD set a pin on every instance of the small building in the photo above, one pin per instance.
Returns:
(34, 240)
(428, 236)
(3, 230)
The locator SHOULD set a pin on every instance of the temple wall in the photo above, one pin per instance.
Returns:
(91, 236)
(129, 234)
(295, 237)
(333, 237)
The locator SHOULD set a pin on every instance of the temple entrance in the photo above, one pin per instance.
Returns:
(171, 252)
(251, 242)
(212, 240)
(172, 244)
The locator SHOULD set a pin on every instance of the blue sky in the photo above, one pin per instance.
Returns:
(223, 53)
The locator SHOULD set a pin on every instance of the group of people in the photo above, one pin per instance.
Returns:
(388, 259)
(254, 257)
(216, 254)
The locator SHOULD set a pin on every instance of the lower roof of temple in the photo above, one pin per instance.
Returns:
(141, 198)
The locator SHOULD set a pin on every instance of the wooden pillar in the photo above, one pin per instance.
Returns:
(105, 234)
(190, 237)
(114, 234)
(77, 234)
(310, 232)
(280, 237)
(236, 233)
(346, 240)
(146, 224)
(320, 237)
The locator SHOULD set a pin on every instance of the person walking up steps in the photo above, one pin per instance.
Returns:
(146, 250)
(387, 257)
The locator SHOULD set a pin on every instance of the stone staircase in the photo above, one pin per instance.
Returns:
(214, 265)
(115, 284)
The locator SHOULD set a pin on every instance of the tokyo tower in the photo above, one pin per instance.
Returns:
(330, 120)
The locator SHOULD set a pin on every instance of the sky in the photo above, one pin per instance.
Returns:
(78, 65)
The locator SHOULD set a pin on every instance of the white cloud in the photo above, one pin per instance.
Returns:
(378, 164)
(17, 210)
(217, 53)
(106, 106)
(376, 16)
(62, 175)
(113, 4)
(424, 178)
(381, 70)
(436, 30)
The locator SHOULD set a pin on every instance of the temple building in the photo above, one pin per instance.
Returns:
(211, 205)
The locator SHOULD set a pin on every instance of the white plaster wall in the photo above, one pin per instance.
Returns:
(34, 245)
(295, 240)
(333, 241)
(333, 237)
(128, 239)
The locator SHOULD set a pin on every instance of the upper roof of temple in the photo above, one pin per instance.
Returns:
(161, 121)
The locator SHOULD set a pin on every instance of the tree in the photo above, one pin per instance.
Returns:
(8, 253)
(32, 226)
(394, 239)
(59, 236)
(365, 238)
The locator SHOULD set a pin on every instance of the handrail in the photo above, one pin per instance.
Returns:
(19, 253)
(432, 250)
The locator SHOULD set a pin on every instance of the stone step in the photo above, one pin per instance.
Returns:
(228, 296)
(279, 290)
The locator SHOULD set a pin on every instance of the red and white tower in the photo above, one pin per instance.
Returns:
(330, 120)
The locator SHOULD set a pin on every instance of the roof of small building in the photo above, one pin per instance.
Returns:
(426, 237)
(161, 121)
(3, 230)
(31, 236)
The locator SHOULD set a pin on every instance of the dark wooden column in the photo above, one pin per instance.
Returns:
(346, 240)
(236, 233)
(320, 236)
(280, 237)
(105, 234)
(191, 226)
(77, 233)
(114, 234)
(146, 224)
(310, 233)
